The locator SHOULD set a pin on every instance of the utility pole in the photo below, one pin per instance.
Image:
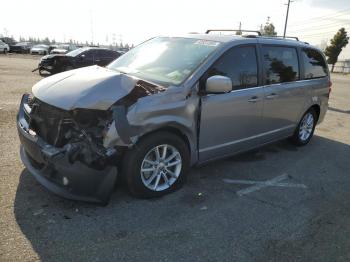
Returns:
(239, 29)
(92, 27)
(285, 24)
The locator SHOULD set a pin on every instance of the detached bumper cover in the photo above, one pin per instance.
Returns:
(51, 167)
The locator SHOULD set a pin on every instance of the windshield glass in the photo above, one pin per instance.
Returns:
(165, 59)
(76, 52)
(40, 46)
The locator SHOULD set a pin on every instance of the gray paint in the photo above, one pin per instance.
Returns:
(91, 87)
(229, 123)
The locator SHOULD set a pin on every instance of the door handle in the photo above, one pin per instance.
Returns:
(271, 96)
(254, 99)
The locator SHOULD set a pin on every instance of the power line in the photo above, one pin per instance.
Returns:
(320, 34)
(320, 29)
(338, 13)
(335, 23)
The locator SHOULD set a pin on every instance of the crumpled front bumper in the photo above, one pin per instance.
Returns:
(51, 167)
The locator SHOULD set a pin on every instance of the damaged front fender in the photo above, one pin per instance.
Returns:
(175, 109)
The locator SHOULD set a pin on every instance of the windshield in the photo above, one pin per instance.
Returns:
(40, 46)
(165, 59)
(76, 52)
(63, 47)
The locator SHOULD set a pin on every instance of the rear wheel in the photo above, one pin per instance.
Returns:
(305, 129)
(157, 165)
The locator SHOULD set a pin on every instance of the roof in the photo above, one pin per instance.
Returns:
(213, 37)
(230, 38)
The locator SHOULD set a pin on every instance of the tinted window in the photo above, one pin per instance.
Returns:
(103, 53)
(240, 65)
(89, 54)
(280, 64)
(314, 64)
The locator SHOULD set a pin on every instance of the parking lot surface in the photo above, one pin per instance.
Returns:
(277, 203)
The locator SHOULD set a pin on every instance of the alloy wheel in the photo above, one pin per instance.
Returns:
(306, 127)
(161, 167)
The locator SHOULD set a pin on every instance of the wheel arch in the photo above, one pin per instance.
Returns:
(317, 109)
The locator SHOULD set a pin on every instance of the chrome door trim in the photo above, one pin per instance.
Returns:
(245, 139)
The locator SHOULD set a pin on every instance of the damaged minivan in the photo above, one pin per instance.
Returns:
(168, 104)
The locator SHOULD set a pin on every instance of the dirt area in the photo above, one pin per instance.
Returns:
(206, 220)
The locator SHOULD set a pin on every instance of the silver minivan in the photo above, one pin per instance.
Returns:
(165, 105)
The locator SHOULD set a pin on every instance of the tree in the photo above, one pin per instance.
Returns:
(269, 28)
(339, 41)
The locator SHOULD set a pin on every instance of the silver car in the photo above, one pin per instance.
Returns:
(168, 104)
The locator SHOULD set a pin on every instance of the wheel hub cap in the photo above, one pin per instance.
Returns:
(161, 167)
(306, 127)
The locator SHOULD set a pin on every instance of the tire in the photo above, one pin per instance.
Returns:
(305, 129)
(139, 159)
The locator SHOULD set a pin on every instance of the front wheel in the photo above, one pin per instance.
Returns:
(305, 129)
(157, 165)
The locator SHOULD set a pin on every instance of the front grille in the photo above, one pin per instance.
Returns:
(49, 121)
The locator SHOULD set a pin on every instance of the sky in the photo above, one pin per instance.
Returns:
(134, 21)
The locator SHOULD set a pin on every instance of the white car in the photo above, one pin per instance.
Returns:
(39, 50)
(4, 48)
(63, 49)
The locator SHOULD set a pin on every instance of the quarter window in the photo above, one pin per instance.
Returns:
(280, 64)
(239, 64)
(314, 64)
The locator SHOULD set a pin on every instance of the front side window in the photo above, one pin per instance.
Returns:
(314, 64)
(167, 60)
(280, 64)
(239, 64)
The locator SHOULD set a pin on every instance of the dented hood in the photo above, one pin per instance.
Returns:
(91, 87)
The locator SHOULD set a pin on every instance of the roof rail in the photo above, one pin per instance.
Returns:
(281, 36)
(232, 30)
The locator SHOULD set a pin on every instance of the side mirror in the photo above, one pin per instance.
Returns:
(82, 57)
(218, 84)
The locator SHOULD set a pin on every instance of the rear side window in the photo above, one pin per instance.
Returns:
(239, 64)
(314, 64)
(104, 53)
(280, 64)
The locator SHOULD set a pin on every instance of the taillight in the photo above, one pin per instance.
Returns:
(329, 87)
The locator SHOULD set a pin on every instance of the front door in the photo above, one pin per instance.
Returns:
(232, 122)
(85, 59)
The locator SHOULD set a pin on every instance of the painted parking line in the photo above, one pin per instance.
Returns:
(257, 185)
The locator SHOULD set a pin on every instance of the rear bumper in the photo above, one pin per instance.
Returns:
(51, 168)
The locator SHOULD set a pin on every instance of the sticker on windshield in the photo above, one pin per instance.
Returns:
(206, 42)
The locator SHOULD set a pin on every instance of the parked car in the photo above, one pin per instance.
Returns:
(77, 58)
(4, 48)
(21, 48)
(52, 47)
(39, 50)
(8, 40)
(165, 105)
(63, 49)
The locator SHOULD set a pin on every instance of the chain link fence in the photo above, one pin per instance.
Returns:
(342, 66)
